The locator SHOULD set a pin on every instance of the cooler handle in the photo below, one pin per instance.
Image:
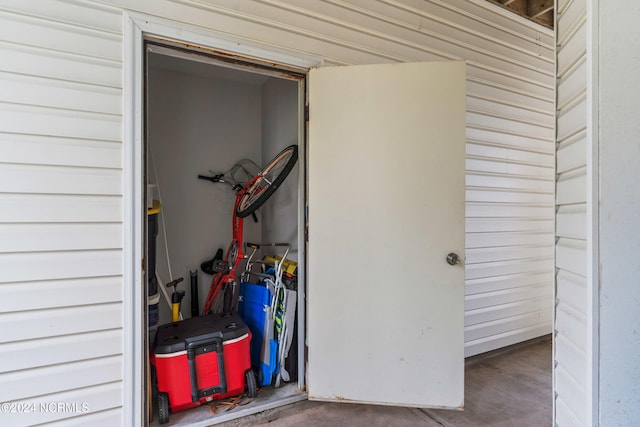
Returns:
(199, 346)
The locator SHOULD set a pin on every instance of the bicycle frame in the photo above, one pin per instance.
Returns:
(233, 256)
(257, 191)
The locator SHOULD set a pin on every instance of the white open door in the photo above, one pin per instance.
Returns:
(386, 207)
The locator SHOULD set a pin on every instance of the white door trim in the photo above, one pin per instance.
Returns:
(137, 28)
(593, 215)
(133, 347)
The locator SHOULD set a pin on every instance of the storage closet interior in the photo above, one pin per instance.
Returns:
(205, 116)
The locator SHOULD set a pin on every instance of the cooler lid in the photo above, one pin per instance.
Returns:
(173, 337)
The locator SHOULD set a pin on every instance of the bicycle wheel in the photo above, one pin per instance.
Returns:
(259, 189)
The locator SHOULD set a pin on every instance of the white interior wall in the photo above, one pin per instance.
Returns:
(198, 123)
(280, 124)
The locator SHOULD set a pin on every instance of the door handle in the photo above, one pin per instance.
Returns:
(453, 259)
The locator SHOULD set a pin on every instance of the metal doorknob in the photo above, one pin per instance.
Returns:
(453, 259)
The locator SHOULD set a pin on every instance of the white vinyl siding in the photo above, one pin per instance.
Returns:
(571, 367)
(61, 186)
(61, 210)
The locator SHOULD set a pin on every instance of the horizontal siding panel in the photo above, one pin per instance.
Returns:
(572, 187)
(479, 73)
(56, 36)
(508, 296)
(61, 123)
(21, 208)
(572, 153)
(574, 11)
(573, 47)
(48, 150)
(571, 255)
(571, 392)
(431, 19)
(57, 378)
(24, 355)
(97, 399)
(112, 417)
(39, 179)
(509, 95)
(573, 84)
(89, 15)
(511, 168)
(321, 21)
(519, 75)
(495, 195)
(59, 265)
(504, 282)
(285, 35)
(482, 345)
(565, 417)
(572, 324)
(28, 325)
(59, 65)
(505, 253)
(59, 293)
(572, 359)
(571, 289)
(492, 225)
(509, 139)
(484, 240)
(505, 325)
(492, 269)
(514, 183)
(532, 307)
(509, 154)
(41, 92)
(506, 210)
(572, 120)
(571, 221)
(517, 112)
(506, 124)
(61, 237)
(488, 19)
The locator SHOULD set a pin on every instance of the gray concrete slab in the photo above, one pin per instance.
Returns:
(509, 387)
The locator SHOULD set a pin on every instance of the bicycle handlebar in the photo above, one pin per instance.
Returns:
(215, 178)
(220, 178)
(235, 185)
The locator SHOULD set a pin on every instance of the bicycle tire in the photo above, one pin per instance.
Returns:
(262, 187)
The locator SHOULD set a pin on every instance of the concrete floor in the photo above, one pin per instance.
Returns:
(508, 387)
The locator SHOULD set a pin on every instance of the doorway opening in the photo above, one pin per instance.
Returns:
(207, 115)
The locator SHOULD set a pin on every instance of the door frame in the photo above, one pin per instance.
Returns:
(137, 29)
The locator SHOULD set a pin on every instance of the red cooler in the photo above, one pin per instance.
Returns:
(202, 359)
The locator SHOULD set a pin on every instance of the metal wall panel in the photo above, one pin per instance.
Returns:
(61, 154)
(571, 369)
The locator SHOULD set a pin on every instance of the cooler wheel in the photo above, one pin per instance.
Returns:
(252, 383)
(163, 408)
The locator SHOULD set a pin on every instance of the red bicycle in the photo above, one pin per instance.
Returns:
(248, 198)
